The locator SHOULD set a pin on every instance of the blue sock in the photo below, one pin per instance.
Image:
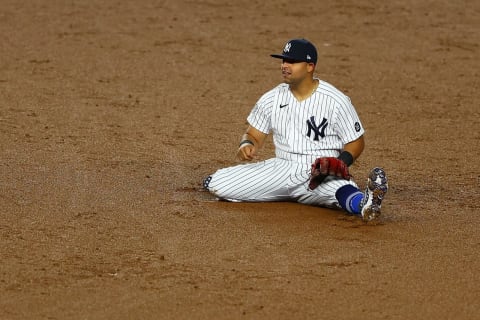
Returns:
(349, 198)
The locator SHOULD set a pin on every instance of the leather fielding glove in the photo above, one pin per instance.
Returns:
(327, 166)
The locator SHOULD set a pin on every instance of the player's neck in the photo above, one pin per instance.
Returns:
(304, 89)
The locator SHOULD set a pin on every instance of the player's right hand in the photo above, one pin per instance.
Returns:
(247, 152)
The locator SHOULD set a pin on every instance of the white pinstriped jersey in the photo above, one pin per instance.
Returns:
(317, 126)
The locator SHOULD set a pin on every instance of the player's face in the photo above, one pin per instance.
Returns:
(294, 72)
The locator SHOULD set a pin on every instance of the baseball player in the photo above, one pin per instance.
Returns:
(317, 135)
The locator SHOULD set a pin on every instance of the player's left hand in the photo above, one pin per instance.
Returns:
(327, 166)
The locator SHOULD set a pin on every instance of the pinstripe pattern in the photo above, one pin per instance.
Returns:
(302, 131)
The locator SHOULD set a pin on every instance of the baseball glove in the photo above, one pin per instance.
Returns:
(327, 166)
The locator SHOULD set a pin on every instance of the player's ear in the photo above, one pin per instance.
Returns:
(310, 67)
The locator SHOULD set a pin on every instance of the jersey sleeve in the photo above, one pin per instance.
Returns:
(348, 124)
(261, 115)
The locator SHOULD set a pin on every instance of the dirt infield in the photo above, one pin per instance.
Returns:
(111, 113)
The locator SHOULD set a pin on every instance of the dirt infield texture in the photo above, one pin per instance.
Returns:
(111, 113)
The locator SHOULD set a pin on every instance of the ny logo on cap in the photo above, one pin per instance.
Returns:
(287, 47)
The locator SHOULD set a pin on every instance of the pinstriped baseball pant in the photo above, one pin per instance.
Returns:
(273, 180)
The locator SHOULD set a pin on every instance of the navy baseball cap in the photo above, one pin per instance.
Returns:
(300, 50)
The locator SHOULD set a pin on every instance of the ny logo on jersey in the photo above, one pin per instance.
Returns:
(317, 130)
